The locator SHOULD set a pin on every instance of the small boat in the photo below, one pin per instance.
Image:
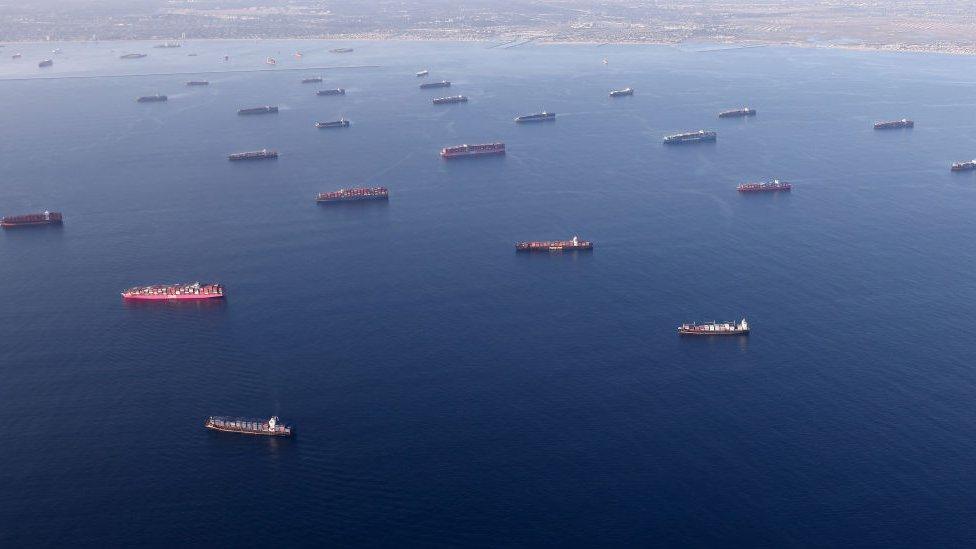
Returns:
(271, 61)
(423, 73)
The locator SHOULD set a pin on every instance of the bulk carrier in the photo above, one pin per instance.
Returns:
(460, 151)
(700, 136)
(258, 110)
(737, 113)
(964, 166)
(715, 328)
(894, 124)
(441, 84)
(575, 244)
(245, 426)
(353, 195)
(765, 187)
(253, 155)
(174, 292)
(537, 117)
(451, 99)
(622, 93)
(28, 220)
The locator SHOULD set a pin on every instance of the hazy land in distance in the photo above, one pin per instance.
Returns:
(909, 25)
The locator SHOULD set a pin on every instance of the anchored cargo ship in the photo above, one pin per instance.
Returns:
(340, 123)
(45, 63)
(253, 155)
(894, 124)
(341, 50)
(337, 91)
(422, 73)
(198, 83)
(152, 98)
(691, 137)
(715, 328)
(171, 292)
(43, 218)
(537, 117)
(451, 99)
(354, 195)
(554, 246)
(765, 187)
(311, 80)
(258, 110)
(269, 428)
(168, 45)
(622, 93)
(132, 56)
(964, 166)
(737, 113)
(485, 149)
(441, 84)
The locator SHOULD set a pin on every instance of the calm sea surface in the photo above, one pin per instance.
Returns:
(445, 390)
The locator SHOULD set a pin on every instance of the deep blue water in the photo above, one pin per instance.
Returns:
(445, 390)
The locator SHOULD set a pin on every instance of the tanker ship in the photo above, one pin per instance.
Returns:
(258, 110)
(691, 137)
(460, 151)
(311, 80)
(622, 93)
(340, 123)
(554, 246)
(354, 195)
(765, 187)
(337, 91)
(715, 328)
(894, 124)
(737, 113)
(44, 218)
(152, 98)
(245, 426)
(537, 117)
(451, 99)
(441, 84)
(170, 292)
(964, 166)
(253, 155)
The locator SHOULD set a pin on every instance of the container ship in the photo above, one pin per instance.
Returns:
(337, 91)
(198, 83)
(441, 84)
(737, 113)
(354, 195)
(421, 74)
(715, 328)
(537, 117)
(622, 93)
(312, 80)
(341, 50)
(451, 99)
(894, 124)
(268, 428)
(132, 56)
(258, 110)
(45, 63)
(170, 292)
(460, 151)
(28, 220)
(765, 187)
(691, 137)
(554, 246)
(964, 166)
(152, 98)
(340, 123)
(253, 155)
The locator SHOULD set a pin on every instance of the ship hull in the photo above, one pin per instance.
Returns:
(16, 225)
(554, 249)
(283, 434)
(713, 333)
(450, 156)
(357, 199)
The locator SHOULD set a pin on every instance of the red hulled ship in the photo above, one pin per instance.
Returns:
(554, 246)
(774, 186)
(165, 292)
(352, 195)
(43, 218)
(715, 328)
(459, 151)
(268, 428)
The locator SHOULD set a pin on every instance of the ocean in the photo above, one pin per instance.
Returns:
(446, 391)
